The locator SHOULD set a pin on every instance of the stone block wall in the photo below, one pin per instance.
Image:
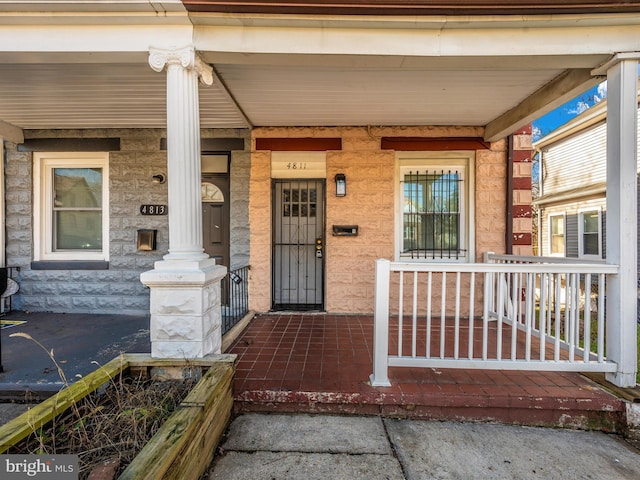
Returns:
(370, 204)
(117, 290)
(490, 204)
(239, 211)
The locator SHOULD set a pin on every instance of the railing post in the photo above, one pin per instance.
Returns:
(380, 376)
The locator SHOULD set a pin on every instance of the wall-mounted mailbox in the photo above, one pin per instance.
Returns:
(345, 230)
(147, 240)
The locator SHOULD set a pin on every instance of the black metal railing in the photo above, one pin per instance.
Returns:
(8, 287)
(235, 297)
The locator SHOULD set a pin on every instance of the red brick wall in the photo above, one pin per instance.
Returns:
(521, 181)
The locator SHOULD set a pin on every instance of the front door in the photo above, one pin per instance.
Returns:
(298, 244)
(215, 217)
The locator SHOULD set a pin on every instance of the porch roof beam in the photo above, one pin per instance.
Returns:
(227, 93)
(11, 132)
(560, 90)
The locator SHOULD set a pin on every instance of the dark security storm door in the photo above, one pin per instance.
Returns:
(298, 244)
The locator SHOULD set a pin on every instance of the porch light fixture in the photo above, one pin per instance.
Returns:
(158, 179)
(341, 184)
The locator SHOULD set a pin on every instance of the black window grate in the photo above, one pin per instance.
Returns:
(432, 214)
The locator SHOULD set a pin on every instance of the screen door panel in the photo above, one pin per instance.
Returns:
(298, 244)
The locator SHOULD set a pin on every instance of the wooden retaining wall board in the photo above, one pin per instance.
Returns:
(20, 427)
(184, 446)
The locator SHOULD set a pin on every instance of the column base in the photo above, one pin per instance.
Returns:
(623, 380)
(185, 308)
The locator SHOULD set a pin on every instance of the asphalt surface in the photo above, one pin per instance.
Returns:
(77, 343)
(320, 447)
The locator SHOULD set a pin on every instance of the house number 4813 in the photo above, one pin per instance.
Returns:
(153, 209)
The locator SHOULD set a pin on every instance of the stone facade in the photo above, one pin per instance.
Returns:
(370, 173)
(117, 290)
(349, 261)
(239, 214)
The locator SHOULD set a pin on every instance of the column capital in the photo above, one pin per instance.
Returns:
(186, 57)
(613, 61)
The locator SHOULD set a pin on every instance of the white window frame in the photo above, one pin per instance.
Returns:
(550, 240)
(581, 214)
(464, 161)
(43, 165)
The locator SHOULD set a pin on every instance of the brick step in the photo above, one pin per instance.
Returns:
(605, 413)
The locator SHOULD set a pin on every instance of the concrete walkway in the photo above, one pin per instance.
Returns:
(320, 447)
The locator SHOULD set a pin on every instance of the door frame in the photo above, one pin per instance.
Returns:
(323, 220)
(225, 177)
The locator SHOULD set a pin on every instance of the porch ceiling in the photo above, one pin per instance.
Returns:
(302, 91)
(88, 69)
(369, 94)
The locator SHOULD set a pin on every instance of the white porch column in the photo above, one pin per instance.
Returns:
(622, 106)
(185, 286)
(183, 148)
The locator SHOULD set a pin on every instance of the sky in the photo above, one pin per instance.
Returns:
(561, 115)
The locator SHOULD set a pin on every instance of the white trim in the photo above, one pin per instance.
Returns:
(11, 133)
(43, 163)
(581, 213)
(550, 239)
(616, 59)
(427, 36)
(446, 159)
(622, 208)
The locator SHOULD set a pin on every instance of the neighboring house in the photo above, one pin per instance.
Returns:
(323, 137)
(573, 178)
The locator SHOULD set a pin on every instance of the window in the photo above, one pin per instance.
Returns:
(556, 238)
(590, 234)
(434, 213)
(71, 206)
(299, 202)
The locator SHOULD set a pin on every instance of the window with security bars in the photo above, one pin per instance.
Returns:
(432, 214)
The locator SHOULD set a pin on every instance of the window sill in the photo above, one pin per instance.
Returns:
(409, 259)
(69, 265)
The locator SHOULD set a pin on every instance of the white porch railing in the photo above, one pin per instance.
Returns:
(511, 313)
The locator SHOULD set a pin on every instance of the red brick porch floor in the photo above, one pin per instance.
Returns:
(321, 363)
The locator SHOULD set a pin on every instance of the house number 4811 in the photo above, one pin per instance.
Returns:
(296, 166)
(153, 209)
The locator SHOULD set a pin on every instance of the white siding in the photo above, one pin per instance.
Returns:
(570, 209)
(571, 163)
(576, 161)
